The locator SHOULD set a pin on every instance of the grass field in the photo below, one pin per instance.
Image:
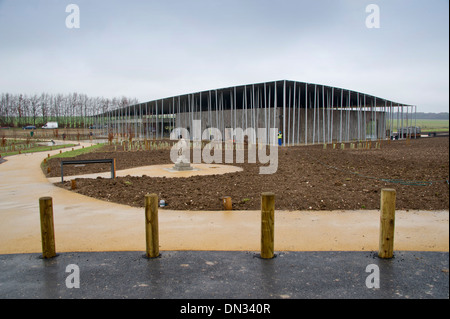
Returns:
(427, 125)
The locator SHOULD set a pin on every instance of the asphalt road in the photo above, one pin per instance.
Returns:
(225, 275)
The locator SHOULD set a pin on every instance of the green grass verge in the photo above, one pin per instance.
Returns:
(37, 149)
(79, 151)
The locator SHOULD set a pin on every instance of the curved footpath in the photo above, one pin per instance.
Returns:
(84, 224)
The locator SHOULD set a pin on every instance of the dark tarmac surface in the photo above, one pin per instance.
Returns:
(225, 275)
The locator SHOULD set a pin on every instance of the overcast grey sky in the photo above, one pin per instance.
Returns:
(156, 49)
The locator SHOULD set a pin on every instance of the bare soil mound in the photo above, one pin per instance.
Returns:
(308, 177)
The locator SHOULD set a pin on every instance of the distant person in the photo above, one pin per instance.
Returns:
(280, 138)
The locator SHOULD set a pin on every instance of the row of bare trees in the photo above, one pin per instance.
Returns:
(72, 110)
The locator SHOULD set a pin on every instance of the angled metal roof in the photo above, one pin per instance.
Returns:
(335, 97)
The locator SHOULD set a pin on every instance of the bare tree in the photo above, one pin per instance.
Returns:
(44, 106)
(57, 105)
(34, 107)
(70, 110)
(5, 99)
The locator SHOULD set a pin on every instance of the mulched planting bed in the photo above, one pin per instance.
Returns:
(308, 178)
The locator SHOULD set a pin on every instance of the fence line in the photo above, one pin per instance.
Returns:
(386, 230)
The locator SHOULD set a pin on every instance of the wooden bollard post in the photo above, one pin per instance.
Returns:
(267, 225)
(114, 168)
(227, 205)
(151, 226)
(73, 184)
(387, 223)
(47, 227)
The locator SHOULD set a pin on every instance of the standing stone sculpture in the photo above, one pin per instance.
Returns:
(182, 163)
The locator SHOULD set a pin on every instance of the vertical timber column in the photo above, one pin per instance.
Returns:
(365, 119)
(235, 110)
(151, 226)
(156, 120)
(47, 227)
(387, 223)
(275, 111)
(348, 116)
(340, 118)
(306, 113)
(293, 116)
(172, 117)
(391, 119)
(314, 114)
(245, 100)
(415, 121)
(135, 123)
(358, 111)
(284, 113)
(269, 122)
(162, 119)
(216, 111)
(289, 119)
(383, 130)
(323, 115)
(373, 119)
(401, 135)
(267, 225)
(266, 126)
(332, 114)
(253, 115)
(146, 121)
